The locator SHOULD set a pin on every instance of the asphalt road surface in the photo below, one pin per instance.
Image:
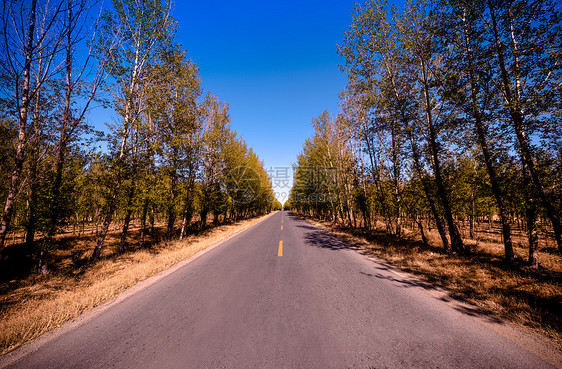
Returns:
(305, 302)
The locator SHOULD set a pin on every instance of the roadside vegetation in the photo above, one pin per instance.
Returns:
(168, 154)
(445, 155)
(87, 211)
(36, 304)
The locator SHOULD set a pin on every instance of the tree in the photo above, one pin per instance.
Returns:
(425, 55)
(71, 121)
(173, 93)
(526, 38)
(389, 64)
(128, 40)
(471, 89)
(217, 138)
(29, 31)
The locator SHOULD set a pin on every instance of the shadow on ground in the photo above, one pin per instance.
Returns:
(462, 296)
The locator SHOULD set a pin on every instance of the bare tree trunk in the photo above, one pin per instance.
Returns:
(429, 197)
(42, 265)
(143, 222)
(171, 204)
(472, 215)
(151, 220)
(22, 130)
(188, 207)
(531, 216)
(532, 234)
(203, 219)
(187, 214)
(127, 220)
(107, 220)
(33, 181)
(517, 120)
(396, 174)
(216, 217)
(456, 240)
(483, 143)
(420, 226)
(32, 208)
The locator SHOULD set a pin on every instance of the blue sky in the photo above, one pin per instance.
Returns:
(274, 63)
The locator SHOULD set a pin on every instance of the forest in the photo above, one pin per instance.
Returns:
(450, 122)
(169, 163)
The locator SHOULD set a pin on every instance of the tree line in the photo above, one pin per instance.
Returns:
(170, 154)
(452, 113)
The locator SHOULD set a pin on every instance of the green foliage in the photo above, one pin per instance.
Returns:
(445, 107)
(170, 155)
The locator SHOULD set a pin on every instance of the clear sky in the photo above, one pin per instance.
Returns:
(275, 64)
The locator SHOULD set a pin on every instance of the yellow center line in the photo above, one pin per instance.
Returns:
(280, 252)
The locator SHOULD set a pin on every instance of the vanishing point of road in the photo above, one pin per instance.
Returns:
(284, 294)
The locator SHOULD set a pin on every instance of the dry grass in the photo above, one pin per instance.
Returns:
(37, 304)
(519, 294)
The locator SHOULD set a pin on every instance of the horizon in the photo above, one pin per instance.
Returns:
(274, 81)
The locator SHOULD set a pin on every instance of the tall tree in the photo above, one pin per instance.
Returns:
(79, 84)
(425, 55)
(173, 93)
(383, 64)
(526, 38)
(29, 29)
(217, 137)
(471, 89)
(129, 38)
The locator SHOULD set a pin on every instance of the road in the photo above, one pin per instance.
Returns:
(318, 305)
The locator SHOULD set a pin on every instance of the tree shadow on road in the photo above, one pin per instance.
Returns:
(383, 270)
